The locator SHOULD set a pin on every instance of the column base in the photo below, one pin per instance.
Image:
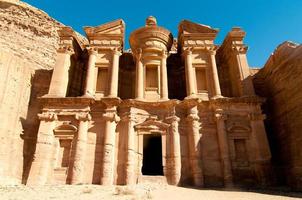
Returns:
(139, 99)
(164, 99)
(216, 97)
(88, 95)
(192, 96)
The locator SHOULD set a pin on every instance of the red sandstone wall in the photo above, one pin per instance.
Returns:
(280, 82)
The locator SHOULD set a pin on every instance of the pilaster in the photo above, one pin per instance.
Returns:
(110, 117)
(190, 79)
(90, 78)
(163, 76)
(262, 153)
(60, 76)
(224, 148)
(40, 168)
(139, 89)
(78, 168)
(175, 156)
(194, 153)
(130, 172)
(113, 89)
(216, 85)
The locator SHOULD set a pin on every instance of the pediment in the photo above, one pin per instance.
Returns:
(239, 128)
(111, 28)
(188, 27)
(66, 128)
(152, 124)
(65, 131)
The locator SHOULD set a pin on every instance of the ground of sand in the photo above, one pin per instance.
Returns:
(137, 192)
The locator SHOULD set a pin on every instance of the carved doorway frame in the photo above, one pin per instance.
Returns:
(152, 126)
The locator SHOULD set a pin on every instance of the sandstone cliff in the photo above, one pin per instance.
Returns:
(28, 42)
(280, 82)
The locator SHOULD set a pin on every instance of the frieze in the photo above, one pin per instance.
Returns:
(107, 42)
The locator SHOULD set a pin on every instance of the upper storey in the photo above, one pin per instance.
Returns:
(158, 68)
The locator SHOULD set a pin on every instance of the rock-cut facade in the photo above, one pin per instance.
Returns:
(180, 108)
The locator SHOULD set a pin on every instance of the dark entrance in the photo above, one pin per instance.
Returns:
(152, 155)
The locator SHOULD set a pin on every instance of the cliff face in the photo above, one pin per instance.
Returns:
(280, 82)
(28, 42)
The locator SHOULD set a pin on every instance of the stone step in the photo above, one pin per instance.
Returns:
(153, 179)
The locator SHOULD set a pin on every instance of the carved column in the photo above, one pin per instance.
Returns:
(224, 149)
(114, 73)
(164, 79)
(80, 149)
(175, 157)
(60, 75)
(40, 167)
(194, 137)
(130, 148)
(111, 119)
(139, 76)
(245, 82)
(90, 79)
(260, 145)
(216, 84)
(190, 79)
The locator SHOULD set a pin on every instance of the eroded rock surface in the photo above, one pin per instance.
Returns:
(280, 82)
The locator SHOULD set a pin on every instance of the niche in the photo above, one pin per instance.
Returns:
(151, 82)
(201, 80)
(102, 81)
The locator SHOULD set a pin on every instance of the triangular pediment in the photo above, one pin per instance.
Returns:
(111, 28)
(188, 27)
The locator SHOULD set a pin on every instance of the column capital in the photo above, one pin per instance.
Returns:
(187, 51)
(111, 116)
(92, 51)
(46, 116)
(127, 117)
(116, 51)
(83, 116)
(212, 49)
(66, 49)
(193, 117)
(172, 119)
(138, 53)
(257, 116)
(164, 54)
(220, 115)
(239, 48)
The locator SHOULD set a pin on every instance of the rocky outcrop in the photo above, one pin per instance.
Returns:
(280, 82)
(28, 42)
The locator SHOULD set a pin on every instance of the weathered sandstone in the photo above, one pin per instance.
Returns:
(280, 82)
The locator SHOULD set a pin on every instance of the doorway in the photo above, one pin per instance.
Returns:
(152, 155)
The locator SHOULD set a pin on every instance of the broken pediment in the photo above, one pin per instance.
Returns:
(191, 34)
(110, 34)
(188, 27)
(115, 28)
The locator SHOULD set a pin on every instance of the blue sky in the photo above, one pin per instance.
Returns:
(267, 22)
